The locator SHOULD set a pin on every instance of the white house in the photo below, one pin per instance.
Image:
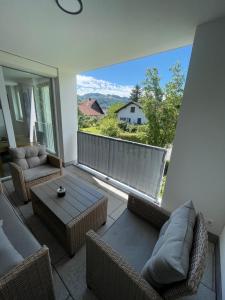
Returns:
(131, 113)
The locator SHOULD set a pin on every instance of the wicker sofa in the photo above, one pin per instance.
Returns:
(32, 165)
(115, 260)
(31, 278)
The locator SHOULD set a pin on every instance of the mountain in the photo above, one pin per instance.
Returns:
(104, 100)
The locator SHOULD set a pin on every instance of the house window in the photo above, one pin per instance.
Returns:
(128, 120)
(132, 109)
(139, 120)
(122, 119)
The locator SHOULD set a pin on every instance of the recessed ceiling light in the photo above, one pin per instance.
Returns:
(73, 7)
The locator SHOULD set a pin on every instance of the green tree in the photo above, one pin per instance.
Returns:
(152, 88)
(109, 125)
(175, 87)
(85, 121)
(113, 108)
(135, 94)
(162, 107)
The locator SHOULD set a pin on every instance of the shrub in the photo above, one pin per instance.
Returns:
(134, 137)
(132, 128)
(86, 121)
(109, 127)
(123, 125)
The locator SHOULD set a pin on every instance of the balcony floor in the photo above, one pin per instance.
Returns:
(69, 274)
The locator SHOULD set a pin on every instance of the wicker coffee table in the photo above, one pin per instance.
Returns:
(69, 217)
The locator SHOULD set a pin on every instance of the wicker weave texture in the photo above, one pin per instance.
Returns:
(148, 211)
(32, 279)
(28, 185)
(18, 181)
(110, 277)
(92, 218)
(23, 188)
(72, 235)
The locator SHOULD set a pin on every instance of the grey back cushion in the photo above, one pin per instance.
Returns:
(29, 157)
(9, 256)
(169, 262)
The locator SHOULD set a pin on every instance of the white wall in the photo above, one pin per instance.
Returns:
(222, 261)
(125, 113)
(68, 107)
(197, 169)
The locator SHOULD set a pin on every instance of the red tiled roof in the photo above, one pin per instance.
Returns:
(90, 107)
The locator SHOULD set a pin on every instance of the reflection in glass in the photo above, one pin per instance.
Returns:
(31, 108)
(4, 146)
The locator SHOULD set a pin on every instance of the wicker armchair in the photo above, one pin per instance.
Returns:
(32, 278)
(32, 165)
(110, 276)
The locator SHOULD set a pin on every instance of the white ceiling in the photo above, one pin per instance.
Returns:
(107, 32)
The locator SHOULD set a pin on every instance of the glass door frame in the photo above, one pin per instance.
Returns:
(7, 113)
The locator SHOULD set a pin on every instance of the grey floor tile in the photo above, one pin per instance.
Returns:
(118, 211)
(45, 237)
(61, 293)
(26, 210)
(73, 273)
(105, 227)
(113, 204)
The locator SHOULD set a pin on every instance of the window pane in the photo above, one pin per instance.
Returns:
(31, 106)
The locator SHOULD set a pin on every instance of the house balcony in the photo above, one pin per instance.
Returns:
(42, 51)
(134, 167)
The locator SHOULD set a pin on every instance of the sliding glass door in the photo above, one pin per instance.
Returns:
(4, 147)
(28, 116)
(44, 124)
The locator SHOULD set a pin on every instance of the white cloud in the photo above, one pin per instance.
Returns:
(88, 84)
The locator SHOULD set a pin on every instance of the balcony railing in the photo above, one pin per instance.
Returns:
(137, 165)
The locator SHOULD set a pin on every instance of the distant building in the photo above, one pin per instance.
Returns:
(131, 113)
(91, 108)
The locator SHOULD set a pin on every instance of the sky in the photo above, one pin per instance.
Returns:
(119, 79)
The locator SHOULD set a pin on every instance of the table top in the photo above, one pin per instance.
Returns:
(79, 197)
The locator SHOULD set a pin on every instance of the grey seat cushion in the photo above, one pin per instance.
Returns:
(29, 157)
(169, 262)
(18, 234)
(133, 238)
(38, 172)
(9, 256)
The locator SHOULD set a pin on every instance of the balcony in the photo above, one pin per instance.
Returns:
(135, 167)
(69, 274)
(104, 35)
